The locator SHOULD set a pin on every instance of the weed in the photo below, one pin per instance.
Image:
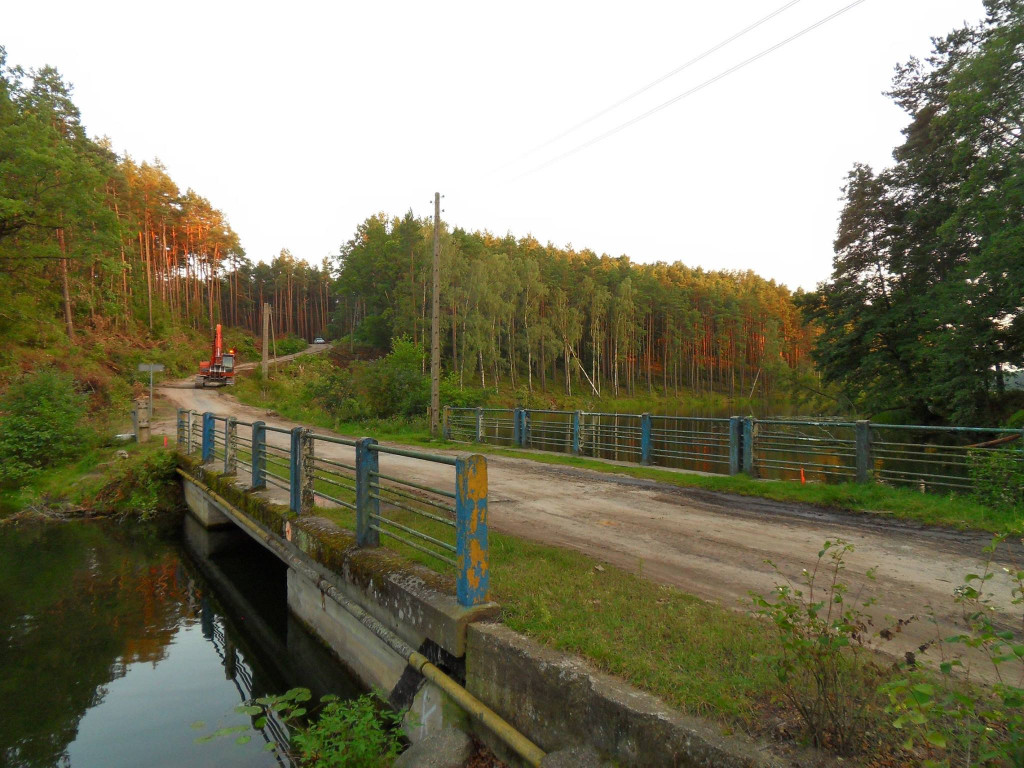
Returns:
(345, 734)
(823, 663)
(966, 723)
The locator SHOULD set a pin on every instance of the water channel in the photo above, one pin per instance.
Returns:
(115, 642)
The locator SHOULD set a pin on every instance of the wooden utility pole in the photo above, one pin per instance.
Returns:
(435, 330)
(266, 334)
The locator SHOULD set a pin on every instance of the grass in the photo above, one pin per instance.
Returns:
(77, 482)
(700, 658)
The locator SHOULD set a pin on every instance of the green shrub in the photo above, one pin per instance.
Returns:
(825, 666)
(350, 734)
(290, 345)
(967, 723)
(1016, 421)
(998, 477)
(41, 424)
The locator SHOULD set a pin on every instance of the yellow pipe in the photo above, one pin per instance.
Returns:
(475, 708)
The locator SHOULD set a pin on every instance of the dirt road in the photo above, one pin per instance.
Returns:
(708, 544)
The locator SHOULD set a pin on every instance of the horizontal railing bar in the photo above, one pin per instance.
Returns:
(334, 463)
(335, 483)
(335, 440)
(281, 430)
(422, 513)
(339, 502)
(427, 488)
(414, 497)
(1000, 430)
(269, 477)
(414, 545)
(413, 532)
(413, 454)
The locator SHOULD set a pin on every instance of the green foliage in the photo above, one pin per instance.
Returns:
(141, 486)
(966, 723)
(923, 307)
(997, 476)
(1016, 420)
(345, 734)
(42, 423)
(289, 345)
(351, 734)
(823, 663)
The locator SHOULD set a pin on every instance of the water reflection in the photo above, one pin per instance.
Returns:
(113, 642)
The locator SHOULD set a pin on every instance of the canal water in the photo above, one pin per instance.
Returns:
(116, 643)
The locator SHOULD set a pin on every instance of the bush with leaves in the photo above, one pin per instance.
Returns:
(358, 733)
(823, 663)
(998, 477)
(42, 424)
(967, 723)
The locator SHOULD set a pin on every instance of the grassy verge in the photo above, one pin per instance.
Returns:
(698, 657)
(101, 482)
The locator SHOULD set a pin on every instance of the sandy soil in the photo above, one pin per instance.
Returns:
(708, 544)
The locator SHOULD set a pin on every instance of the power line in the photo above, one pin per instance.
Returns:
(663, 78)
(691, 91)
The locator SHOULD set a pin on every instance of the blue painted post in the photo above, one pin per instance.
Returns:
(479, 425)
(524, 430)
(749, 428)
(517, 427)
(472, 582)
(367, 482)
(208, 424)
(295, 472)
(259, 455)
(576, 433)
(645, 438)
(180, 431)
(735, 439)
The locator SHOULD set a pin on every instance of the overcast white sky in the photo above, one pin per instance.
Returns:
(299, 120)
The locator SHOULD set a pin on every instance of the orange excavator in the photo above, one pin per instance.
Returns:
(219, 370)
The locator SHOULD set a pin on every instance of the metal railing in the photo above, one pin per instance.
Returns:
(939, 459)
(382, 485)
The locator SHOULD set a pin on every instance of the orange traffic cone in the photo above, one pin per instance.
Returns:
(165, 441)
(803, 480)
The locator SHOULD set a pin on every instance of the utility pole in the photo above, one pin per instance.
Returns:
(435, 331)
(266, 334)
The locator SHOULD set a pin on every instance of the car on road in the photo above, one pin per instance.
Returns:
(319, 340)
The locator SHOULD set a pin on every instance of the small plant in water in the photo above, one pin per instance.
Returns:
(967, 723)
(345, 734)
(824, 664)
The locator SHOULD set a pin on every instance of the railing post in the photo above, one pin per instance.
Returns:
(863, 441)
(259, 455)
(295, 471)
(749, 429)
(367, 482)
(306, 467)
(208, 423)
(517, 427)
(645, 438)
(188, 438)
(446, 430)
(472, 582)
(576, 433)
(735, 447)
(524, 429)
(180, 432)
(479, 425)
(230, 446)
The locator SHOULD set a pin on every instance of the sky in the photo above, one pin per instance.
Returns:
(299, 120)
